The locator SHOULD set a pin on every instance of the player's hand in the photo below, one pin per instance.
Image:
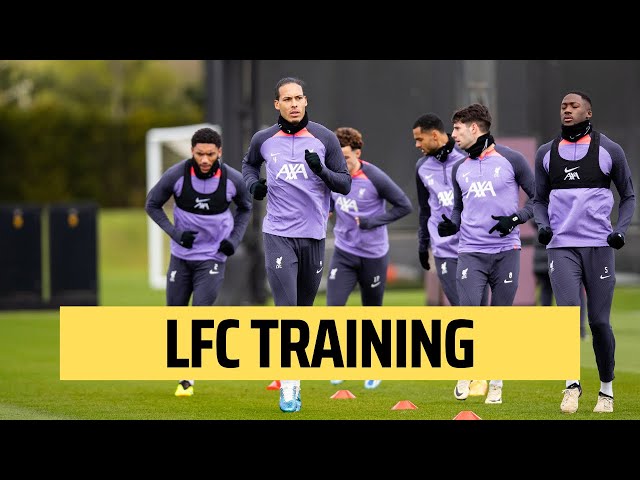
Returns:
(259, 189)
(187, 238)
(545, 235)
(424, 259)
(226, 247)
(505, 224)
(363, 223)
(446, 227)
(615, 240)
(313, 160)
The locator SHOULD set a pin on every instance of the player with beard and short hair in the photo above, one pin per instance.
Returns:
(204, 232)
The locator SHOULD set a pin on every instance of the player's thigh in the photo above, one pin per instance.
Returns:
(372, 279)
(207, 281)
(341, 278)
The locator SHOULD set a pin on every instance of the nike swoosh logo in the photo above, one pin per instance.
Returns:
(428, 176)
(465, 174)
(457, 392)
(203, 200)
(603, 277)
(508, 281)
(274, 154)
(213, 273)
(374, 285)
(318, 271)
(567, 170)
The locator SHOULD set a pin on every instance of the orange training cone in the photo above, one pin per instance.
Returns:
(467, 415)
(343, 394)
(275, 385)
(404, 405)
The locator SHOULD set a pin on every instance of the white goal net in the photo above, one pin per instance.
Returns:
(165, 147)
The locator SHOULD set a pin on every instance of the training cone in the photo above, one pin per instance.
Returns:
(404, 405)
(275, 385)
(478, 388)
(342, 394)
(466, 415)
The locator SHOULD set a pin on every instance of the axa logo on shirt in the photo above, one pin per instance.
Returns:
(202, 203)
(571, 174)
(480, 189)
(347, 204)
(290, 171)
(445, 198)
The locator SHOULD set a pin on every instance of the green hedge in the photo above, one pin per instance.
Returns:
(53, 155)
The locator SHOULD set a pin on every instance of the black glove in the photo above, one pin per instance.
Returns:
(545, 235)
(615, 240)
(226, 247)
(446, 228)
(259, 189)
(424, 259)
(313, 160)
(505, 224)
(364, 223)
(187, 238)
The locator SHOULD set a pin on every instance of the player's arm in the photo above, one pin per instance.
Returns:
(621, 176)
(450, 226)
(335, 173)
(525, 178)
(458, 206)
(242, 200)
(159, 194)
(392, 193)
(251, 164)
(424, 212)
(542, 189)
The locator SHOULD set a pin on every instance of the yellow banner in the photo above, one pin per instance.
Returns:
(319, 343)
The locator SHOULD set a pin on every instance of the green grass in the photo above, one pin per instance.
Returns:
(30, 387)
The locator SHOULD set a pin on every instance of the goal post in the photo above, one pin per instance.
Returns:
(165, 147)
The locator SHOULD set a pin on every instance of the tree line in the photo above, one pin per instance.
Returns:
(76, 130)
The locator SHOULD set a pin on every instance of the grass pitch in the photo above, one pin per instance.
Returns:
(30, 388)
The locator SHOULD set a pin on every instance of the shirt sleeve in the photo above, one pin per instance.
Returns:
(424, 212)
(242, 200)
(543, 188)
(525, 178)
(621, 176)
(159, 194)
(336, 175)
(252, 161)
(458, 206)
(392, 193)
